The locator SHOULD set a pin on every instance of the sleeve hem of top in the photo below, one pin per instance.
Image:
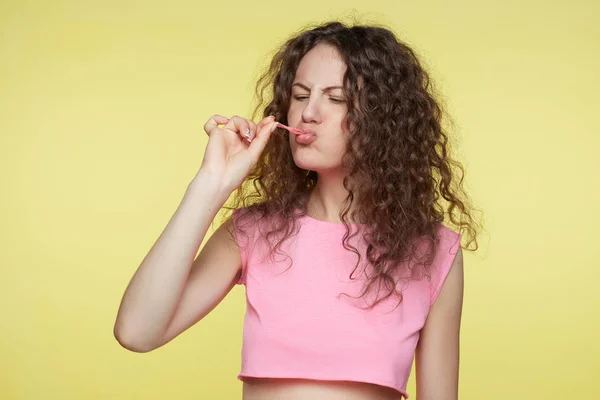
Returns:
(445, 267)
(242, 278)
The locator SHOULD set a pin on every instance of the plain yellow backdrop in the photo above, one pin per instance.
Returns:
(101, 111)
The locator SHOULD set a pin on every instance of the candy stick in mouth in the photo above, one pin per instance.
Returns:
(292, 130)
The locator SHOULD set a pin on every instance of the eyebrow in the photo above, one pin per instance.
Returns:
(327, 89)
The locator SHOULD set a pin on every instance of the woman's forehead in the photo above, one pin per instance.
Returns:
(321, 67)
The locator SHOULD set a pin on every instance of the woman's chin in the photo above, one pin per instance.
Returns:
(318, 167)
(310, 165)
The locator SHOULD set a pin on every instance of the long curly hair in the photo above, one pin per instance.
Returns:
(399, 174)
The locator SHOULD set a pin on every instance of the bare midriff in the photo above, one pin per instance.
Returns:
(306, 389)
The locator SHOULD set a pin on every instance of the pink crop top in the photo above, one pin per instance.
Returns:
(298, 326)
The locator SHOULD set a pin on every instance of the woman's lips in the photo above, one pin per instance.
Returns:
(305, 138)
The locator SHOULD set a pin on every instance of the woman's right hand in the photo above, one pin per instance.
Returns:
(235, 148)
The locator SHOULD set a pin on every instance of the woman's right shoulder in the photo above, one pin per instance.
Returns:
(242, 224)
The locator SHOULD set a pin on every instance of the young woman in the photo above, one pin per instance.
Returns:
(337, 232)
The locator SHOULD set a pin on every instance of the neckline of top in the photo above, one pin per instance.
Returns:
(328, 223)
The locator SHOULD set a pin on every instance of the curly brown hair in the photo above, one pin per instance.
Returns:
(399, 174)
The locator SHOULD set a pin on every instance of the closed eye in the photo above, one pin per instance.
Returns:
(333, 99)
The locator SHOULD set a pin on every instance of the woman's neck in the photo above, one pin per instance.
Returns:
(326, 199)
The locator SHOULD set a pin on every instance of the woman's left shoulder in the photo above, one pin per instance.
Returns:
(445, 232)
(448, 258)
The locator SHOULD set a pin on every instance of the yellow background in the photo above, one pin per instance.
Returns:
(101, 109)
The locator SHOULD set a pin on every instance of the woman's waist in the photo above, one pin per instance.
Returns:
(310, 389)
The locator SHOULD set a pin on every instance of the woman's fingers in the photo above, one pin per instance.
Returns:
(262, 137)
(213, 122)
(240, 126)
(265, 121)
(253, 130)
(246, 129)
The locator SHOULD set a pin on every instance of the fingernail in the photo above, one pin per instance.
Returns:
(247, 133)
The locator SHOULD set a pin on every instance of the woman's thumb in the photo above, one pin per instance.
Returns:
(260, 141)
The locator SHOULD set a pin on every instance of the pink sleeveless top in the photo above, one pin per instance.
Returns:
(299, 323)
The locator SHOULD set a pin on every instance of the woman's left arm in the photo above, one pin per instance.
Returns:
(437, 353)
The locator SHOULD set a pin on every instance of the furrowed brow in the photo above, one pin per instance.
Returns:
(327, 89)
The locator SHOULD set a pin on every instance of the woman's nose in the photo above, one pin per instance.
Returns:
(311, 112)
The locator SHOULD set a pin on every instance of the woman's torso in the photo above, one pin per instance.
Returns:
(317, 334)
(305, 389)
